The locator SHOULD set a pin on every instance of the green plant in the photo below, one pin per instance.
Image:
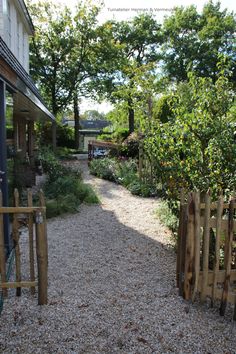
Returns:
(141, 188)
(103, 168)
(124, 172)
(168, 218)
(64, 153)
(130, 146)
(52, 166)
(64, 188)
(196, 148)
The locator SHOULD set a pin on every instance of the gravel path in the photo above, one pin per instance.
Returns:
(112, 288)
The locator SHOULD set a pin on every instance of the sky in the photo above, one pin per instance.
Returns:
(126, 9)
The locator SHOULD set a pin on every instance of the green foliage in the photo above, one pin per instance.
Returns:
(167, 217)
(144, 189)
(61, 205)
(123, 172)
(64, 135)
(128, 80)
(64, 188)
(64, 153)
(120, 134)
(196, 149)
(194, 41)
(52, 167)
(93, 114)
(117, 136)
(103, 168)
(162, 109)
(130, 146)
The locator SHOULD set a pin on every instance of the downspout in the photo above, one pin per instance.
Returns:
(3, 163)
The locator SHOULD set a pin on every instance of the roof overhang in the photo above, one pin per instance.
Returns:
(27, 95)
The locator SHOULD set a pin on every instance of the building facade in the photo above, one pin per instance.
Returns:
(15, 29)
(20, 102)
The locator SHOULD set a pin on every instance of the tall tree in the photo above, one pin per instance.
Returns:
(62, 58)
(195, 41)
(135, 44)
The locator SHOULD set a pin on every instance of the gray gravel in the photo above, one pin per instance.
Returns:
(112, 288)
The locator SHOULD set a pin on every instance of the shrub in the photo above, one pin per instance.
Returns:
(196, 148)
(130, 146)
(103, 168)
(120, 134)
(61, 205)
(52, 167)
(65, 135)
(64, 188)
(141, 188)
(64, 153)
(124, 172)
(168, 218)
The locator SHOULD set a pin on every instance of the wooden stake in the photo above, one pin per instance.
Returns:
(217, 248)
(16, 237)
(2, 250)
(179, 239)
(189, 255)
(31, 241)
(206, 241)
(197, 240)
(228, 259)
(42, 254)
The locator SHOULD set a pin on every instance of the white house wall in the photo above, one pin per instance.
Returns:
(14, 32)
(1, 19)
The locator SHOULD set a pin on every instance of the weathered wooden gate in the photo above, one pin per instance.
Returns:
(34, 220)
(206, 255)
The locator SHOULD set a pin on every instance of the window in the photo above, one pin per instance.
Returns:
(9, 124)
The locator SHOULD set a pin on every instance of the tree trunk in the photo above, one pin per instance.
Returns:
(131, 116)
(76, 118)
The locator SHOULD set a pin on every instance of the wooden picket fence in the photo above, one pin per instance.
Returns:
(206, 254)
(34, 221)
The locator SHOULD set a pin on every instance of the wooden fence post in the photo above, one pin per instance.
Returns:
(197, 241)
(228, 258)
(180, 252)
(189, 255)
(90, 152)
(217, 248)
(42, 254)
(2, 251)
(183, 237)
(16, 238)
(206, 243)
(31, 240)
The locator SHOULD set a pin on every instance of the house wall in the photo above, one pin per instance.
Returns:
(14, 31)
(1, 18)
(86, 141)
